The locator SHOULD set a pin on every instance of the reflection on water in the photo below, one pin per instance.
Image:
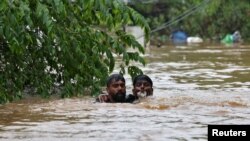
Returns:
(193, 87)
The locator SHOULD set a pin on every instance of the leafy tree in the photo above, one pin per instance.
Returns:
(211, 19)
(65, 43)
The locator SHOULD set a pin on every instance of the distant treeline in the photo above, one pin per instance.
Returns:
(209, 19)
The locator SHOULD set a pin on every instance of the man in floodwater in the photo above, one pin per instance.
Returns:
(116, 89)
(142, 87)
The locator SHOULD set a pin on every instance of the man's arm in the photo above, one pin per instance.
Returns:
(131, 98)
(103, 98)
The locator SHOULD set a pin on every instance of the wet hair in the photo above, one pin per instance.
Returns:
(142, 77)
(115, 77)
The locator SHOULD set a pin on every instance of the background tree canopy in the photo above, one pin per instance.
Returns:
(210, 19)
(65, 43)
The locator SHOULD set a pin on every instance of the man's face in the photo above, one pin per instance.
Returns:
(142, 86)
(117, 90)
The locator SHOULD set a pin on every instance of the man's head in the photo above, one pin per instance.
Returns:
(143, 86)
(116, 87)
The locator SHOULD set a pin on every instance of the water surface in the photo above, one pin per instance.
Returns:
(193, 86)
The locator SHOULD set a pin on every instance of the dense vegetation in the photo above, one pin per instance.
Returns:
(65, 44)
(70, 44)
(210, 19)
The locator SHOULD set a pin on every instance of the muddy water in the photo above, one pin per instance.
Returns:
(193, 86)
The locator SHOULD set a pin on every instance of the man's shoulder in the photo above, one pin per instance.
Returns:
(130, 98)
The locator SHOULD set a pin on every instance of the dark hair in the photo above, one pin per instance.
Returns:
(142, 77)
(115, 77)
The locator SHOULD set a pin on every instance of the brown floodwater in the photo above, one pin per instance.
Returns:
(193, 86)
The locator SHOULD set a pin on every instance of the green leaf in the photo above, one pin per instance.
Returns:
(72, 44)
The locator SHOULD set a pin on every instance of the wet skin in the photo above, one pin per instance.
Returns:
(116, 92)
(142, 86)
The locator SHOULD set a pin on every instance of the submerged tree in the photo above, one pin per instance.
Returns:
(67, 43)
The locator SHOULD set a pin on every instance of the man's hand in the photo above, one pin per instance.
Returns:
(103, 98)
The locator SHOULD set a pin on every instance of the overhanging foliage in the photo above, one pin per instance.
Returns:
(67, 43)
